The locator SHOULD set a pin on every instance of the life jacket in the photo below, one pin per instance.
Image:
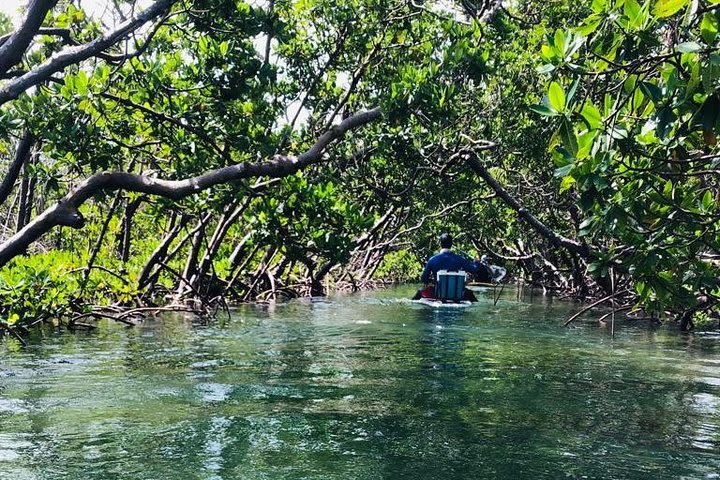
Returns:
(427, 292)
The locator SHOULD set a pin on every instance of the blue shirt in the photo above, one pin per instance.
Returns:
(447, 260)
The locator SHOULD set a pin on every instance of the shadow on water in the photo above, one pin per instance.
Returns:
(365, 386)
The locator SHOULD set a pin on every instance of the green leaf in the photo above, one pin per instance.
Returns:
(666, 8)
(709, 27)
(203, 43)
(81, 83)
(707, 201)
(547, 68)
(598, 6)
(571, 92)
(567, 135)
(608, 104)
(549, 53)
(563, 171)
(567, 182)
(638, 97)
(619, 133)
(559, 40)
(544, 110)
(668, 188)
(689, 47)
(710, 75)
(589, 25)
(591, 115)
(586, 226)
(561, 157)
(633, 11)
(641, 288)
(651, 90)
(574, 45)
(709, 113)
(556, 97)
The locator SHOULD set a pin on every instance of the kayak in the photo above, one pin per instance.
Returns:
(434, 303)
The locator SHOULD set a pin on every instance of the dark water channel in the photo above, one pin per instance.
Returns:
(364, 387)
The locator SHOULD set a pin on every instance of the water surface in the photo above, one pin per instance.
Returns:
(364, 387)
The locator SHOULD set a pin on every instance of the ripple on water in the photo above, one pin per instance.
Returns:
(12, 446)
(714, 381)
(214, 392)
(12, 405)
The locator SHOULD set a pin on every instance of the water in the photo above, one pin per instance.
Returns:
(364, 387)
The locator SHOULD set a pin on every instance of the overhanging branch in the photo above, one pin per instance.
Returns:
(571, 246)
(73, 55)
(16, 44)
(66, 213)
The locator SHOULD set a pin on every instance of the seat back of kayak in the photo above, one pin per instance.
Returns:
(449, 286)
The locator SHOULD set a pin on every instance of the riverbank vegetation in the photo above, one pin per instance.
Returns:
(193, 153)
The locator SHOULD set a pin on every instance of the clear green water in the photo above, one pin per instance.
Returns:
(364, 387)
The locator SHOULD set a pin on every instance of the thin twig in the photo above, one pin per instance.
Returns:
(618, 309)
(167, 308)
(103, 315)
(12, 332)
(594, 304)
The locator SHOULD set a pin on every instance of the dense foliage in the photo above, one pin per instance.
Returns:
(634, 98)
(576, 145)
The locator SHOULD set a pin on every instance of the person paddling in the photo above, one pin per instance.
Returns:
(446, 259)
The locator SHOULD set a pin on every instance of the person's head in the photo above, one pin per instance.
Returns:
(446, 240)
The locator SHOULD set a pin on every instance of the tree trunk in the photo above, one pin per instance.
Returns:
(125, 236)
(192, 258)
(316, 287)
(260, 272)
(227, 219)
(32, 184)
(161, 250)
(24, 186)
(98, 244)
(23, 150)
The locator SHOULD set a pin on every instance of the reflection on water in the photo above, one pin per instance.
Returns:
(364, 387)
